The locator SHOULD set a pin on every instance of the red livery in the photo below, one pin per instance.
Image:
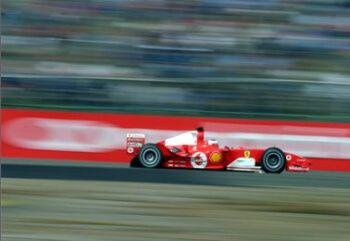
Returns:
(191, 150)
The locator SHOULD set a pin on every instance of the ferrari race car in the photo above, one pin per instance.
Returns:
(192, 151)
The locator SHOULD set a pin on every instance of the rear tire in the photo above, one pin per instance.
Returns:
(150, 156)
(273, 160)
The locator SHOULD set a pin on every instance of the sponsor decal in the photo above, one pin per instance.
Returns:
(242, 162)
(288, 157)
(295, 168)
(215, 157)
(139, 136)
(199, 160)
(130, 150)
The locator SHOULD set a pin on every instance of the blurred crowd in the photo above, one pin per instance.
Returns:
(220, 57)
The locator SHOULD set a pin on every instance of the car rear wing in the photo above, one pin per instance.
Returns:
(134, 142)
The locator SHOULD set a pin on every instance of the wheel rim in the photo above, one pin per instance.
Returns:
(150, 157)
(273, 160)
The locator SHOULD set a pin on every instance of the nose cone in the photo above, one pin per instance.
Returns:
(298, 164)
(304, 162)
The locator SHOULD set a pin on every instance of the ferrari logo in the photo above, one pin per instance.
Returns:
(247, 154)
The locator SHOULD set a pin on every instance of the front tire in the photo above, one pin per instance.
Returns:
(150, 156)
(273, 160)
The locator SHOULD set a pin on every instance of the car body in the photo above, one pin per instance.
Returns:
(191, 150)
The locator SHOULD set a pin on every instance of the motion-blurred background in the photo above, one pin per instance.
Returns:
(247, 58)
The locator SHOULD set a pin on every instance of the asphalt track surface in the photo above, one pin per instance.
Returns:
(177, 176)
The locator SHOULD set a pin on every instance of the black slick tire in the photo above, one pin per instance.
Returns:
(273, 160)
(150, 156)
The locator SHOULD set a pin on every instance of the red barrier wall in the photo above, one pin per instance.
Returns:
(101, 137)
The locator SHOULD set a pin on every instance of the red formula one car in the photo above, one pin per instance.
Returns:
(191, 150)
